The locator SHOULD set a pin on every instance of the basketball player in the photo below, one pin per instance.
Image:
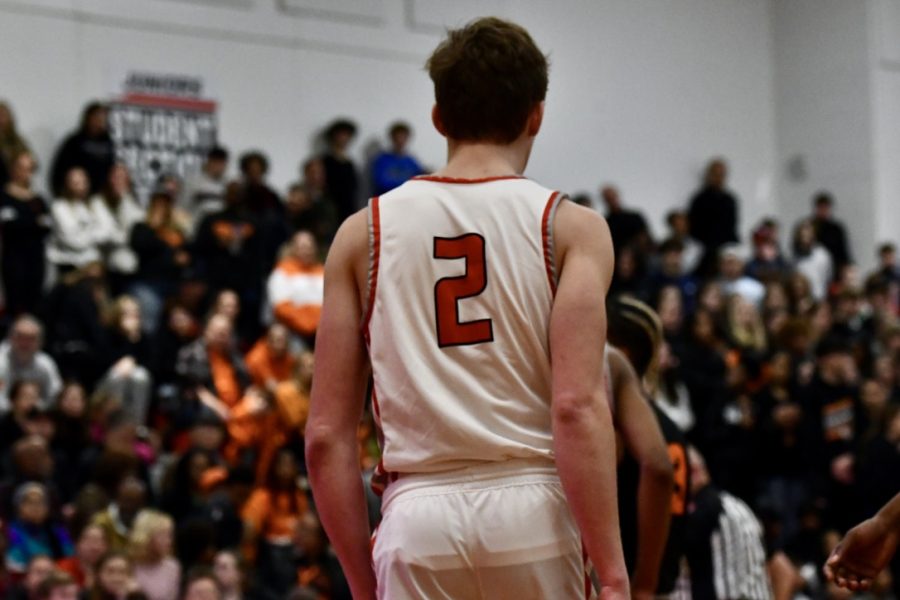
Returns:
(499, 464)
(866, 549)
(653, 468)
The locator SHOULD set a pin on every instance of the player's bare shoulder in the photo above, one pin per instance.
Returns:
(349, 253)
(581, 228)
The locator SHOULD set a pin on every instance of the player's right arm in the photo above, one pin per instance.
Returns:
(583, 437)
(336, 407)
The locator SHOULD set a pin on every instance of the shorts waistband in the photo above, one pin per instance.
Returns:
(519, 470)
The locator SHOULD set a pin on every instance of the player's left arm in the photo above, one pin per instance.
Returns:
(337, 403)
(645, 443)
(866, 549)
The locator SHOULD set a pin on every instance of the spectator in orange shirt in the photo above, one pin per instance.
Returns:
(211, 367)
(296, 287)
(271, 516)
(269, 361)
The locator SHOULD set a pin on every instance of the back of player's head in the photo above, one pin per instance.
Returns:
(488, 76)
(635, 328)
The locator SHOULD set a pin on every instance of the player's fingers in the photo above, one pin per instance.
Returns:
(829, 572)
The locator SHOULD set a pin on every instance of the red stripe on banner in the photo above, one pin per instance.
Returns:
(170, 102)
(546, 226)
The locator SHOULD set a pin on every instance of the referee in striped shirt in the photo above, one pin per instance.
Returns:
(725, 548)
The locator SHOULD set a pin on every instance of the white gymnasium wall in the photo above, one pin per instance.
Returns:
(837, 81)
(884, 22)
(643, 92)
(823, 111)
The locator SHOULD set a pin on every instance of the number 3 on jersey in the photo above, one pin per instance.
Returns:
(450, 290)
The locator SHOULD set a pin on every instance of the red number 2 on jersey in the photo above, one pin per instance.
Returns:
(450, 290)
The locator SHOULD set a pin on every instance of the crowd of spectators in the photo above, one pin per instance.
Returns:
(782, 365)
(157, 362)
(156, 365)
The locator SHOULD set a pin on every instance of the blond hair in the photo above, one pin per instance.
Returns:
(147, 524)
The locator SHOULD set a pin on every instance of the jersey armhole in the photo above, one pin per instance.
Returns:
(373, 217)
(547, 238)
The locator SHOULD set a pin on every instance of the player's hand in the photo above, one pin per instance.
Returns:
(863, 553)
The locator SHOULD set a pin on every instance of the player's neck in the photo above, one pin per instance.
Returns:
(469, 160)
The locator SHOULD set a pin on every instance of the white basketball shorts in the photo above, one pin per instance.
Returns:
(498, 531)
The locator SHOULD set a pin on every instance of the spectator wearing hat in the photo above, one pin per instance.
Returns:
(395, 166)
(341, 179)
(767, 263)
(732, 278)
(33, 533)
(829, 232)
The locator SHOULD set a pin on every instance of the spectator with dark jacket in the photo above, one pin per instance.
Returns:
(229, 249)
(713, 215)
(830, 232)
(24, 224)
(341, 178)
(160, 246)
(90, 148)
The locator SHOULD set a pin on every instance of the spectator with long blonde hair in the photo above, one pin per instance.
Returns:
(155, 569)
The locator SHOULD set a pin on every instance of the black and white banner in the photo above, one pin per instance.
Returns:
(161, 124)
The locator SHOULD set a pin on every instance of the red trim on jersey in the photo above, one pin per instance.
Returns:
(546, 227)
(376, 410)
(373, 275)
(441, 179)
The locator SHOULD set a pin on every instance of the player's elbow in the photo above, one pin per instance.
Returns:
(574, 407)
(658, 468)
(320, 441)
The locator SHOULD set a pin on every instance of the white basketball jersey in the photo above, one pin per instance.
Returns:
(461, 284)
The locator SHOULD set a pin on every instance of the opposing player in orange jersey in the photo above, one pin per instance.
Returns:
(480, 295)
